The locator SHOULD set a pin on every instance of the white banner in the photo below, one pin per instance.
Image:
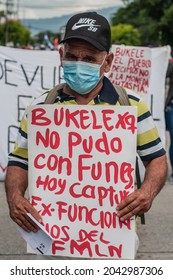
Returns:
(25, 74)
(82, 164)
(131, 67)
(143, 70)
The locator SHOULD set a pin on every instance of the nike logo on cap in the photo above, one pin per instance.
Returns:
(80, 25)
(85, 22)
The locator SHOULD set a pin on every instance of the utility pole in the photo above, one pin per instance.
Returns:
(11, 8)
(9, 11)
(17, 8)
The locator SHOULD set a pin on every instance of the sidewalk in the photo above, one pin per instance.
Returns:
(156, 236)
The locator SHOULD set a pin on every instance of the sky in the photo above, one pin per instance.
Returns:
(53, 8)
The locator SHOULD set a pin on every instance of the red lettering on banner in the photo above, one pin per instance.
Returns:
(95, 120)
(86, 246)
(37, 164)
(3, 168)
(126, 121)
(35, 200)
(87, 147)
(81, 166)
(65, 232)
(104, 193)
(104, 142)
(100, 193)
(71, 117)
(79, 118)
(57, 246)
(59, 121)
(53, 163)
(102, 239)
(92, 236)
(126, 171)
(58, 232)
(131, 69)
(109, 180)
(83, 117)
(98, 252)
(38, 117)
(80, 247)
(61, 210)
(126, 223)
(101, 144)
(139, 63)
(84, 235)
(104, 219)
(47, 210)
(117, 60)
(110, 170)
(51, 184)
(51, 139)
(74, 139)
(135, 53)
(117, 250)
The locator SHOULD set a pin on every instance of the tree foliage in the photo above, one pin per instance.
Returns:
(14, 31)
(125, 34)
(152, 18)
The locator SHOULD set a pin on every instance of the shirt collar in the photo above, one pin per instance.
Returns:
(108, 93)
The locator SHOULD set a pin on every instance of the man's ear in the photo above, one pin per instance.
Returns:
(61, 51)
(109, 60)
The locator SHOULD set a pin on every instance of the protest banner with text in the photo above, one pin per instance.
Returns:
(81, 165)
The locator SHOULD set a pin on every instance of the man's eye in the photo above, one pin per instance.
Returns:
(88, 59)
(70, 57)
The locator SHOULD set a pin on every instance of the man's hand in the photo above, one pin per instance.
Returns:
(134, 204)
(19, 207)
(16, 183)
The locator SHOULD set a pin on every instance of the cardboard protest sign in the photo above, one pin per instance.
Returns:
(143, 70)
(131, 67)
(81, 165)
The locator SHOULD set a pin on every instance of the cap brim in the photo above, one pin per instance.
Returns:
(89, 40)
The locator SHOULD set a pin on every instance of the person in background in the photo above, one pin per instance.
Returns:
(86, 57)
(169, 114)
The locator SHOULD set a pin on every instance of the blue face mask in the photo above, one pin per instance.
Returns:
(80, 76)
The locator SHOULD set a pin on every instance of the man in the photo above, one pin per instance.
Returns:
(85, 57)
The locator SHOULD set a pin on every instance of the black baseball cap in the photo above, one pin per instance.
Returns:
(91, 27)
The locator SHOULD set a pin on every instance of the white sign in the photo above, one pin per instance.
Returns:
(81, 165)
(143, 70)
(131, 67)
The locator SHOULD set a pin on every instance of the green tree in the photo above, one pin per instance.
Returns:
(166, 26)
(15, 32)
(125, 34)
(149, 17)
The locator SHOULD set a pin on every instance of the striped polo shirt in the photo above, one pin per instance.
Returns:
(149, 145)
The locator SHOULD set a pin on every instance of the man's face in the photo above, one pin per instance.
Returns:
(79, 50)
